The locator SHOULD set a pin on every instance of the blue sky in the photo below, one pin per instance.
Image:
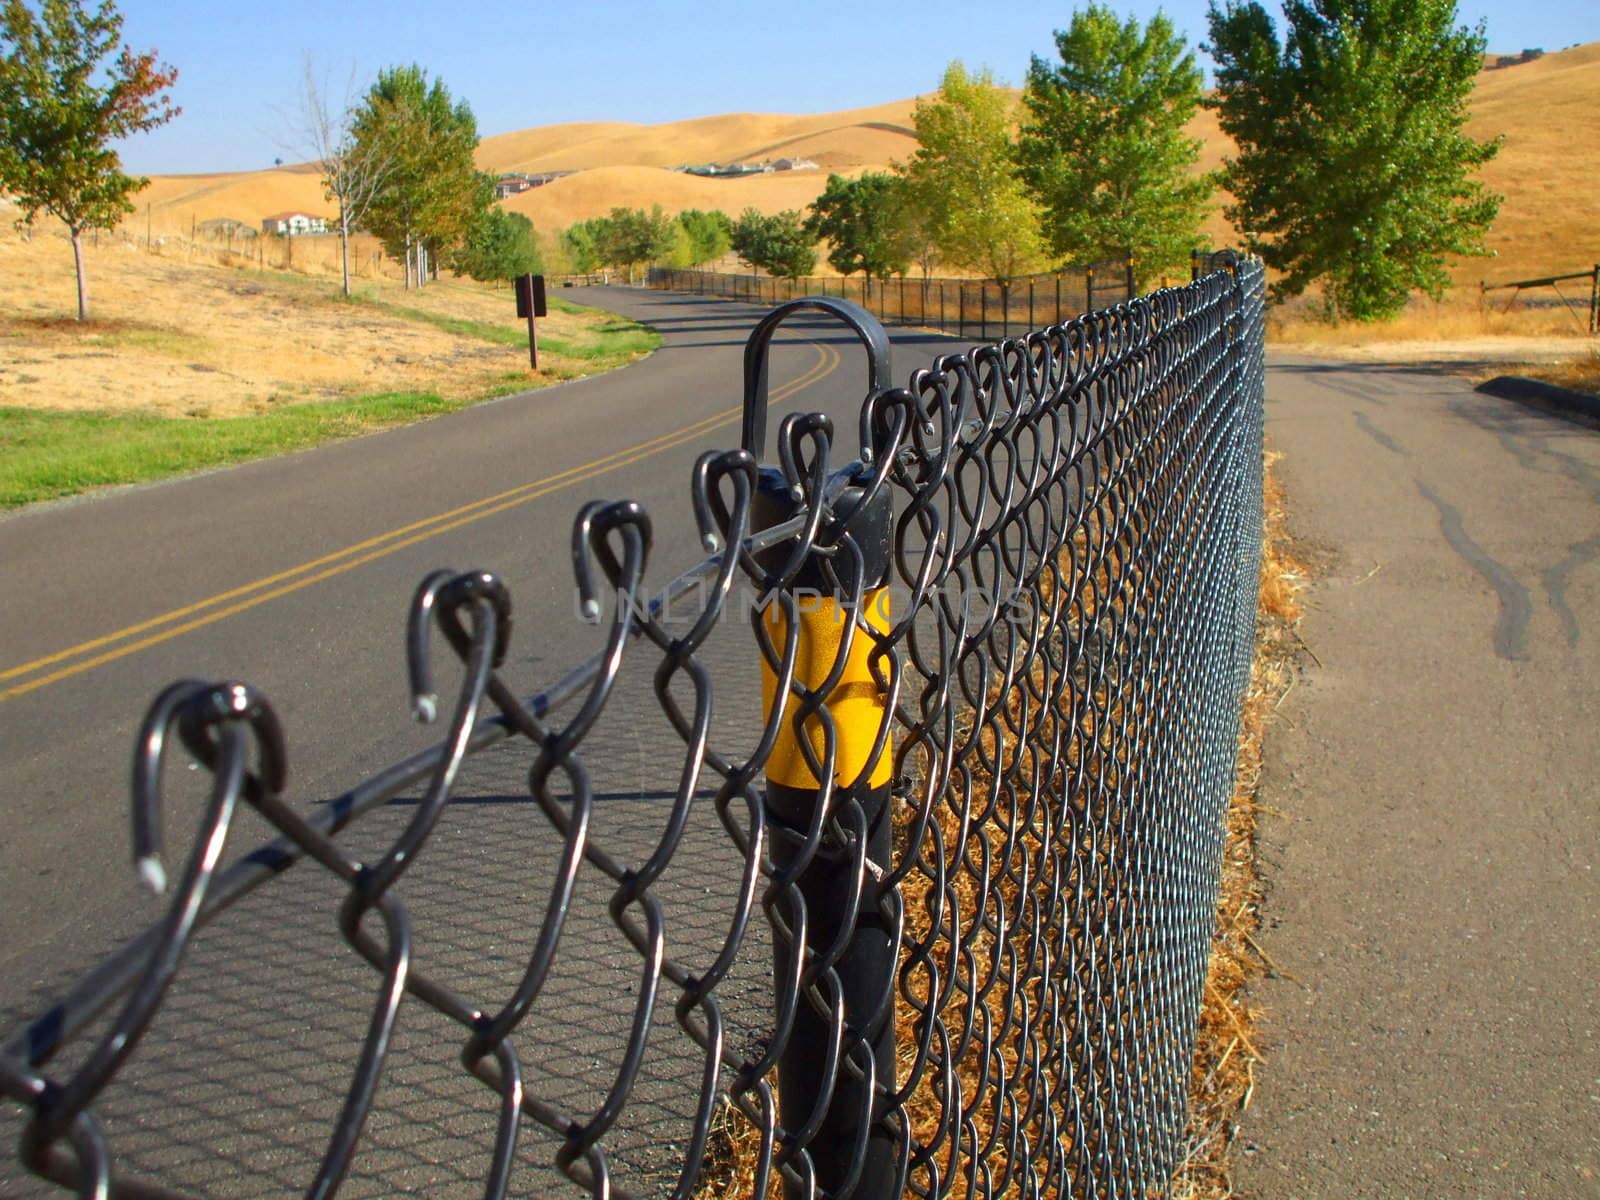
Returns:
(536, 63)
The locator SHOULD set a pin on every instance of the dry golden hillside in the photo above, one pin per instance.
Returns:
(883, 132)
(1544, 111)
(177, 201)
(1548, 167)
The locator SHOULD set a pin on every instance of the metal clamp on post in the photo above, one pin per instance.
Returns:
(827, 1093)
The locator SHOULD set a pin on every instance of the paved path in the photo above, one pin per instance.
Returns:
(1433, 887)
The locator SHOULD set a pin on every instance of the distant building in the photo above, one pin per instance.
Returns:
(226, 228)
(515, 183)
(293, 224)
(794, 164)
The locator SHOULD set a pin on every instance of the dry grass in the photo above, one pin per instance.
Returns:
(179, 335)
(1546, 168)
(1465, 331)
(834, 140)
(1016, 835)
(1581, 374)
(1228, 1046)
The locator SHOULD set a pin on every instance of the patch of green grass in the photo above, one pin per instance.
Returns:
(45, 454)
(603, 345)
(503, 335)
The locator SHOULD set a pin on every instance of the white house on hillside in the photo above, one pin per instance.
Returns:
(292, 224)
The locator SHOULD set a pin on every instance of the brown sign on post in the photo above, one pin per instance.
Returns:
(531, 304)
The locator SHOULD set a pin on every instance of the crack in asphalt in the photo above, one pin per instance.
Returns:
(1364, 423)
(1527, 443)
(1516, 607)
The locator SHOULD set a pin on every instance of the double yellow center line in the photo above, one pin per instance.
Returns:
(85, 656)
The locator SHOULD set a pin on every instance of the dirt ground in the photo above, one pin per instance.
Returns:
(178, 334)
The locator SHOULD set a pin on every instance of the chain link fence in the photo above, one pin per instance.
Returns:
(876, 855)
(980, 309)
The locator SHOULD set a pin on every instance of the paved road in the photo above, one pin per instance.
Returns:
(1433, 888)
(295, 574)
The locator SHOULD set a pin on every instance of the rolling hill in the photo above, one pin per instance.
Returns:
(1546, 168)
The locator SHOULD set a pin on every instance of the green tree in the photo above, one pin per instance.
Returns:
(1353, 166)
(861, 220)
(708, 233)
(778, 244)
(965, 167)
(500, 245)
(916, 216)
(581, 244)
(1104, 148)
(630, 236)
(433, 193)
(61, 104)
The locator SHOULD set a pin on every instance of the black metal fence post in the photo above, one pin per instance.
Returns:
(851, 1153)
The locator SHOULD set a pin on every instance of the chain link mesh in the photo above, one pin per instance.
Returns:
(1075, 542)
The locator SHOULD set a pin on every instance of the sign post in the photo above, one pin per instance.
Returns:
(531, 304)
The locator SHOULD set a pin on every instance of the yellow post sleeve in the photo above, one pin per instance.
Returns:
(855, 704)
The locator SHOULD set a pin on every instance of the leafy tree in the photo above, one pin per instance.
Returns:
(630, 236)
(500, 245)
(982, 217)
(860, 218)
(581, 244)
(1353, 167)
(433, 193)
(1104, 148)
(708, 233)
(61, 104)
(777, 244)
(916, 216)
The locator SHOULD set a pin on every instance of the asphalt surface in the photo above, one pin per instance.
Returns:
(1433, 889)
(295, 574)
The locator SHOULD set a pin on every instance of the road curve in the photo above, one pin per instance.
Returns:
(294, 574)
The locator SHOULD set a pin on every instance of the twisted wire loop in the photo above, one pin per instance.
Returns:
(1076, 536)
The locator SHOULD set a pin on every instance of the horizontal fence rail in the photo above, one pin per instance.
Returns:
(1554, 282)
(876, 855)
(975, 308)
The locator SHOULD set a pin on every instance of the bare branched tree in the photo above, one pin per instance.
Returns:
(353, 173)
